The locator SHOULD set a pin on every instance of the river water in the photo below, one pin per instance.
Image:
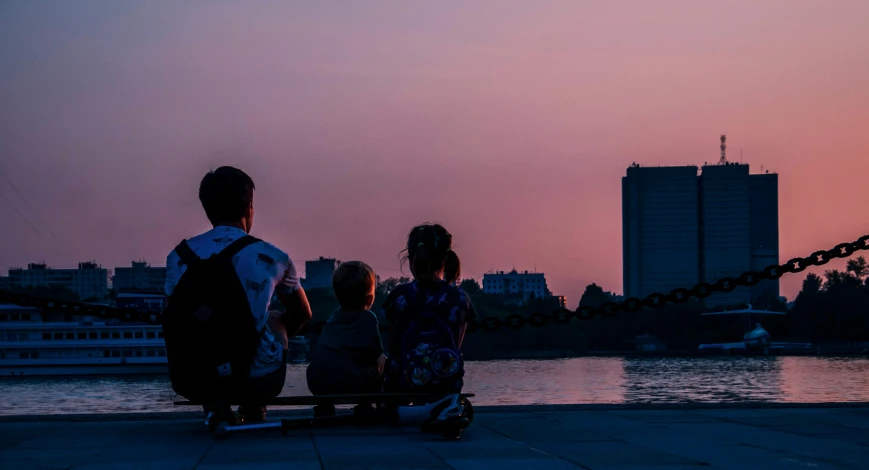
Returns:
(517, 382)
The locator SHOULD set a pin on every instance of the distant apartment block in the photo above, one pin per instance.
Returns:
(4, 282)
(686, 225)
(318, 273)
(141, 276)
(524, 285)
(89, 281)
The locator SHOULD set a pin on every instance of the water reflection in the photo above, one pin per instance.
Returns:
(559, 381)
(717, 380)
(578, 380)
(817, 380)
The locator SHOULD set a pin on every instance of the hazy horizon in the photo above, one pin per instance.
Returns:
(509, 122)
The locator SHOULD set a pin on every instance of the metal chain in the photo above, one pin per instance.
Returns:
(515, 321)
(700, 291)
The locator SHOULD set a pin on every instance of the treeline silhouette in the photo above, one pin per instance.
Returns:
(832, 309)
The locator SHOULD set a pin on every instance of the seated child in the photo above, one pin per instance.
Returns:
(348, 357)
(429, 317)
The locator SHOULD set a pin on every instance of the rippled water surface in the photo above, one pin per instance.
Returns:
(557, 381)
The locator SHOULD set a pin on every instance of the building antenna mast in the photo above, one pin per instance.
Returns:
(723, 160)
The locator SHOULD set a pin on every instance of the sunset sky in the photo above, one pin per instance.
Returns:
(511, 122)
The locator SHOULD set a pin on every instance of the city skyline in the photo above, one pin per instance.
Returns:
(510, 123)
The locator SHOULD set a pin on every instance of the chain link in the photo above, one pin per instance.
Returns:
(702, 290)
(515, 321)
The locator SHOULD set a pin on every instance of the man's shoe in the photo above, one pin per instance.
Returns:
(224, 414)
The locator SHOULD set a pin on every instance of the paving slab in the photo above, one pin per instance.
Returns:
(582, 437)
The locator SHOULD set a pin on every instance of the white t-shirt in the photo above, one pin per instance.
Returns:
(261, 267)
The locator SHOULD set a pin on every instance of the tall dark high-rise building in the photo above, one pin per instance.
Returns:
(685, 225)
(763, 194)
(660, 229)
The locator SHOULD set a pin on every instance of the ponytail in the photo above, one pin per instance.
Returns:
(421, 261)
(452, 267)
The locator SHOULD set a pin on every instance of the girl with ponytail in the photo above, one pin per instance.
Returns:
(429, 317)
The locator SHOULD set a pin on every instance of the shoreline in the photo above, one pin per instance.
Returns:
(539, 355)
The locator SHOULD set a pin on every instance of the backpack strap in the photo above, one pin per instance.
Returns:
(232, 249)
(237, 246)
(186, 253)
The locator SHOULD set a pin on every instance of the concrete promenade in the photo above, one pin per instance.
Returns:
(542, 437)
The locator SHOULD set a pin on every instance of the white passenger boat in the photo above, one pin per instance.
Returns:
(30, 346)
(33, 344)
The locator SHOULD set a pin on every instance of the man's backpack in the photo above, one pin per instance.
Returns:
(210, 332)
(430, 359)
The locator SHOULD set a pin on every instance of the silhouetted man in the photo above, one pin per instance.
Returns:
(261, 272)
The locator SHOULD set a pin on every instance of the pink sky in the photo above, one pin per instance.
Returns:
(510, 122)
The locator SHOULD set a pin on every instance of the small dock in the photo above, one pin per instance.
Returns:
(743, 436)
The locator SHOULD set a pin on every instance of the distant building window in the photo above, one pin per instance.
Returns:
(150, 353)
(58, 336)
(138, 353)
(128, 353)
(34, 354)
(161, 353)
(139, 334)
(116, 354)
(82, 335)
(151, 335)
(46, 335)
(159, 334)
(70, 336)
(23, 354)
(116, 335)
(11, 336)
(104, 335)
(14, 317)
(25, 317)
(106, 354)
(128, 335)
(3, 318)
(92, 335)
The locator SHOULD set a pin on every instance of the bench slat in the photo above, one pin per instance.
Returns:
(311, 400)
